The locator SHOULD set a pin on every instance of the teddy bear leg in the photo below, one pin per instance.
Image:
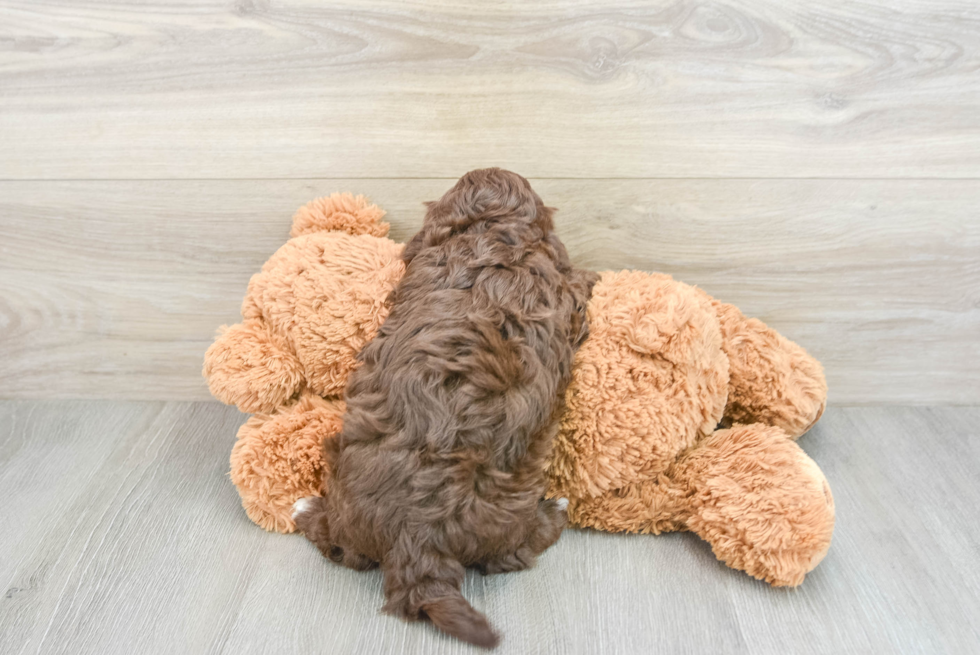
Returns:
(278, 458)
(763, 505)
(771, 379)
(246, 368)
(750, 492)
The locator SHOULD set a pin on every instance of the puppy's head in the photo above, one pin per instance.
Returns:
(488, 194)
(485, 197)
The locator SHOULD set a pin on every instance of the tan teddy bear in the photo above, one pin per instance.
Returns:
(681, 413)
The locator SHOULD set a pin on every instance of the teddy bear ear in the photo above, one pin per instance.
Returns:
(342, 212)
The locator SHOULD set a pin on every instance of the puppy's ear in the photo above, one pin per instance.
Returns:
(415, 245)
(412, 248)
(580, 283)
(545, 216)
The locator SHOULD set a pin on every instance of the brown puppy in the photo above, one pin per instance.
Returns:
(440, 463)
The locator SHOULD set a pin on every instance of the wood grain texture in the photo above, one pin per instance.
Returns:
(122, 534)
(116, 527)
(114, 289)
(582, 89)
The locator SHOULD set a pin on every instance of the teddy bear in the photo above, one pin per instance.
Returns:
(681, 415)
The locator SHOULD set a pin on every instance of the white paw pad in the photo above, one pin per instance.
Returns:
(562, 503)
(301, 506)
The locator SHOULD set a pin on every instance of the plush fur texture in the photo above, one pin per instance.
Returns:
(749, 491)
(771, 379)
(637, 449)
(279, 458)
(620, 428)
(317, 302)
(441, 460)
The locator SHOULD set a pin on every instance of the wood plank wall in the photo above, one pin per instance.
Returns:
(816, 163)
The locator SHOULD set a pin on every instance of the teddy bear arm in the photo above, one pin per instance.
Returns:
(245, 367)
(761, 503)
(771, 379)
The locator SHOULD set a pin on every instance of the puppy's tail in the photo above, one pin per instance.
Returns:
(423, 584)
(455, 616)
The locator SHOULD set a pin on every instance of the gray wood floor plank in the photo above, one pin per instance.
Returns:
(123, 534)
(128, 535)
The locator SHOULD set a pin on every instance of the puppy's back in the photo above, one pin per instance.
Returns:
(441, 460)
(485, 320)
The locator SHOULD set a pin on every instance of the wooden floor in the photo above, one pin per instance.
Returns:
(122, 534)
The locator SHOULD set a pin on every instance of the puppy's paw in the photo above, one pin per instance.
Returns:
(559, 512)
(302, 506)
(309, 515)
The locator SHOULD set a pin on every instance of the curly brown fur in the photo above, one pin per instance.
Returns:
(441, 461)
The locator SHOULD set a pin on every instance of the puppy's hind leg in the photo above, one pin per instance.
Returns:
(311, 517)
(551, 519)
